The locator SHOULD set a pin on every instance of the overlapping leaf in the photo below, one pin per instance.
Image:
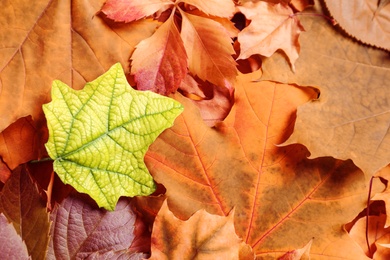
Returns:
(277, 193)
(350, 120)
(160, 62)
(272, 27)
(81, 231)
(209, 50)
(24, 208)
(364, 20)
(202, 236)
(51, 40)
(99, 135)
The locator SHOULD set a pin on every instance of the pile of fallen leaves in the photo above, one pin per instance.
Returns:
(282, 149)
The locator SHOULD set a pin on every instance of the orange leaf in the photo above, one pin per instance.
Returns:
(209, 49)
(159, 63)
(363, 20)
(56, 40)
(298, 254)
(203, 236)
(281, 198)
(22, 141)
(132, 10)
(272, 27)
(220, 8)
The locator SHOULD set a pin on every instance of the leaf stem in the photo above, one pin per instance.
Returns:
(42, 160)
(367, 214)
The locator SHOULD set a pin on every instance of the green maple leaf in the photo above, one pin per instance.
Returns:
(98, 136)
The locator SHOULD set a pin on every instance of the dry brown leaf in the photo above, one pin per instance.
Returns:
(350, 120)
(364, 20)
(220, 8)
(298, 254)
(202, 236)
(272, 27)
(51, 40)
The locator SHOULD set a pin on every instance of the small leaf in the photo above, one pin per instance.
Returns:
(272, 27)
(202, 236)
(81, 231)
(131, 10)
(209, 50)
(159, 62)
(99, 135)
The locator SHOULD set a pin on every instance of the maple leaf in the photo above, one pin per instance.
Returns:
(11, 244)
(80, 231)
(276, 191)
(203, 236)
(272, 27)
(132, 10)
(350, 118)
(159, 62)
(24, 208)
(64, 41)
(99, 135)
(363, 21)
(298, 254)
(209, 50)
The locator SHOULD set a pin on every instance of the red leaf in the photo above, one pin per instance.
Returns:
(22, 205)
(160, 62)
(209, 49)
(131, 10)
(81, 230)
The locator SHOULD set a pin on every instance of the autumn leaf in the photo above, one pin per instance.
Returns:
(375, 232)
(209, 49)
(298, 254)
(99, 135)
(132, 10)
(272, 27)
(22, 141)
(24, 208)
(82, 231)
(56, 40)
(11, 244)
(220, 8)
(349, 120)
(202, 236)
(276, 191)
(159, 63)
(364, 21)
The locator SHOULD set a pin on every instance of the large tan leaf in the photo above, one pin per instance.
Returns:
(62, 40)
(350, 120)
(159, 62)
(364, 20)
(209, 49)
(281, 198)
(272, 27)
(202, 236)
